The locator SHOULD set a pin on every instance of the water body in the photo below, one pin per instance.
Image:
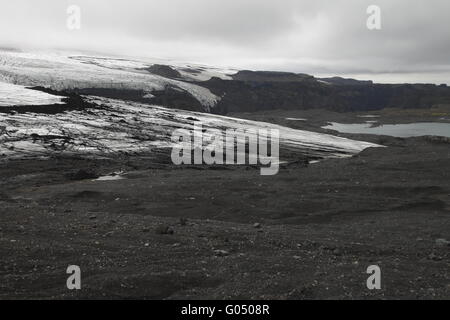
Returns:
(396, 130)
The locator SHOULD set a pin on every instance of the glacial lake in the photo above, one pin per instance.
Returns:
(395, 130)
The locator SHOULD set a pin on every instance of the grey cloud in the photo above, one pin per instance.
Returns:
(319, 37)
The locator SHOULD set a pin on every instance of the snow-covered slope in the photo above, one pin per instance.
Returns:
(188, 71)
(15, 95)
(60, 72)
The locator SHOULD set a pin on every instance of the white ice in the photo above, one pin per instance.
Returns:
(16, 95)
(62, 71)
(137, 128)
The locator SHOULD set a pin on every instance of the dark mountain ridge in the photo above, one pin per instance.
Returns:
(255, 91)
(251, 91)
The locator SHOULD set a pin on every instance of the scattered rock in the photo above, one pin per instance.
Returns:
(442, 243)
(145, 229)
(437, 139)
(92, 217)
(257, 226)
(221, 253)
(163, 229)
(183, 221)
(434, 257)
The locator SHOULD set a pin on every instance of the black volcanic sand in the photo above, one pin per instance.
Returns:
(170, 233)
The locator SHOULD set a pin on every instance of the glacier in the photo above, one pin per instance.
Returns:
(108, 127)
(112, 127)
(63, 71)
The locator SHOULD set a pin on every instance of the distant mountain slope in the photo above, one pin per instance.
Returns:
(208, 89)
(270, 76)
(256, 91)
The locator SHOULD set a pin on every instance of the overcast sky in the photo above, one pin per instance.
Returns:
(317, 37)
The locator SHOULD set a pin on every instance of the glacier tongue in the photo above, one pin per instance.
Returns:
(115, 126)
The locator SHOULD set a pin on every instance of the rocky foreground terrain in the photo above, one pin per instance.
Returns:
(162, 232)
